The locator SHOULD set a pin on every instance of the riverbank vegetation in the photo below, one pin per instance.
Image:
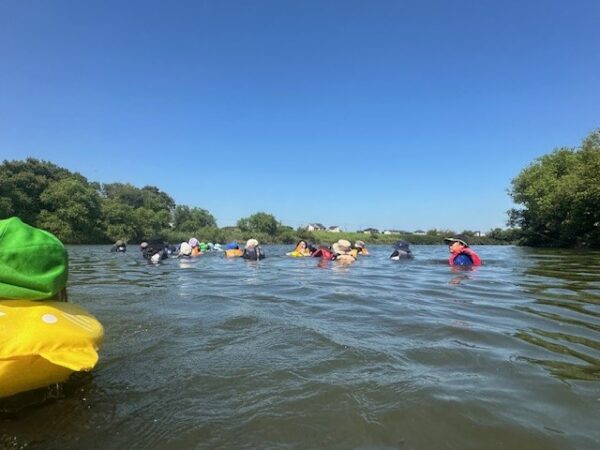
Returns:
(80, 211)
(559, 194)
(559, 198)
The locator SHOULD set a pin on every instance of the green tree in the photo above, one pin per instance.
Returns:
(119, 221)
(126, 194)
(22, 184)
(559, 196)
(135, 214)
(259, 223)
(71, 210)
(188, 219)
(156, 200)
(151, 223)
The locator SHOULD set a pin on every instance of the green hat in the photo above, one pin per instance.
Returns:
(33, 262)
(460, 239)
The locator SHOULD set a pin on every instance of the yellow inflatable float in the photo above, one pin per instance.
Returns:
(42, 341)
(300, 250)
(233, 253)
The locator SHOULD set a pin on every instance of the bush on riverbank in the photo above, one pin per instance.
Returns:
(82, 212)
(560, 197)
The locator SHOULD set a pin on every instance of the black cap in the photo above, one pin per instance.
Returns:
(402, 245)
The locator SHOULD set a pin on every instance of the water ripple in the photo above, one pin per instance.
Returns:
(289, 353)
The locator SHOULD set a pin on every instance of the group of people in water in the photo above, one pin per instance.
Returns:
(45, 339)
(341, 251)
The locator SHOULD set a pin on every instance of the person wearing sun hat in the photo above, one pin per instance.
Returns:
(360, 249)
(194, 245)
(43, 339)
(120, 246)
(460, 252)
(401, 251)
(343, 252)
(185, 250)
(253, 251)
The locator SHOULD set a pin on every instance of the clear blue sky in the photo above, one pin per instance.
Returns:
(392, 114)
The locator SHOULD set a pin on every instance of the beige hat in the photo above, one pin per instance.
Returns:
(359, 244)
(251, 243)
(185, 249)
(342, 247)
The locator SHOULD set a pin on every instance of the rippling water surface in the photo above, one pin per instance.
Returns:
(217, 353)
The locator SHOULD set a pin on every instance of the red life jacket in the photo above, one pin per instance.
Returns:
(323, 253)
(470, 253)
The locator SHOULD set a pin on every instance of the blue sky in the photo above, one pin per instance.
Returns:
(392, 114)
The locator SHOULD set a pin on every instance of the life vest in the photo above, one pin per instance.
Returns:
(195, 251)
(465, 251)
(233, 252)
(254, 254)
(324, 253)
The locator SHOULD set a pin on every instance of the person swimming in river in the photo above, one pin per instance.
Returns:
(232, 250)
(253, 251)
(460, 252)
(119, 247)
(322, 251)
(360, 249)
(185, 250)
(401, 251)
(154, 251)
(342, 252)
(195, 245)
(301, 249)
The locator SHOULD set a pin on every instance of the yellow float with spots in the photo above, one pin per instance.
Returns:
(43, 339)
(42, 343)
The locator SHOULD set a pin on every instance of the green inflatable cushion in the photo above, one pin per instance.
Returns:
(34, 264)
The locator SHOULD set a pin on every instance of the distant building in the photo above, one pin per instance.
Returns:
(391, 232)
(315, 227)
(371, 231)
(420, 233)
(334, 229)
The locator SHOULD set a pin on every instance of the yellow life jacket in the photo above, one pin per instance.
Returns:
(44, 342)
(232, 253)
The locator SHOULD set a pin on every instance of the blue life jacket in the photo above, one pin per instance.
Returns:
(463, 260)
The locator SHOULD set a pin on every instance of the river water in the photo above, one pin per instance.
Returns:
(218, 353)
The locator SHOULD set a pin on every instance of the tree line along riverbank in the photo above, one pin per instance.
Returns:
(80, 211)
(557, 201)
